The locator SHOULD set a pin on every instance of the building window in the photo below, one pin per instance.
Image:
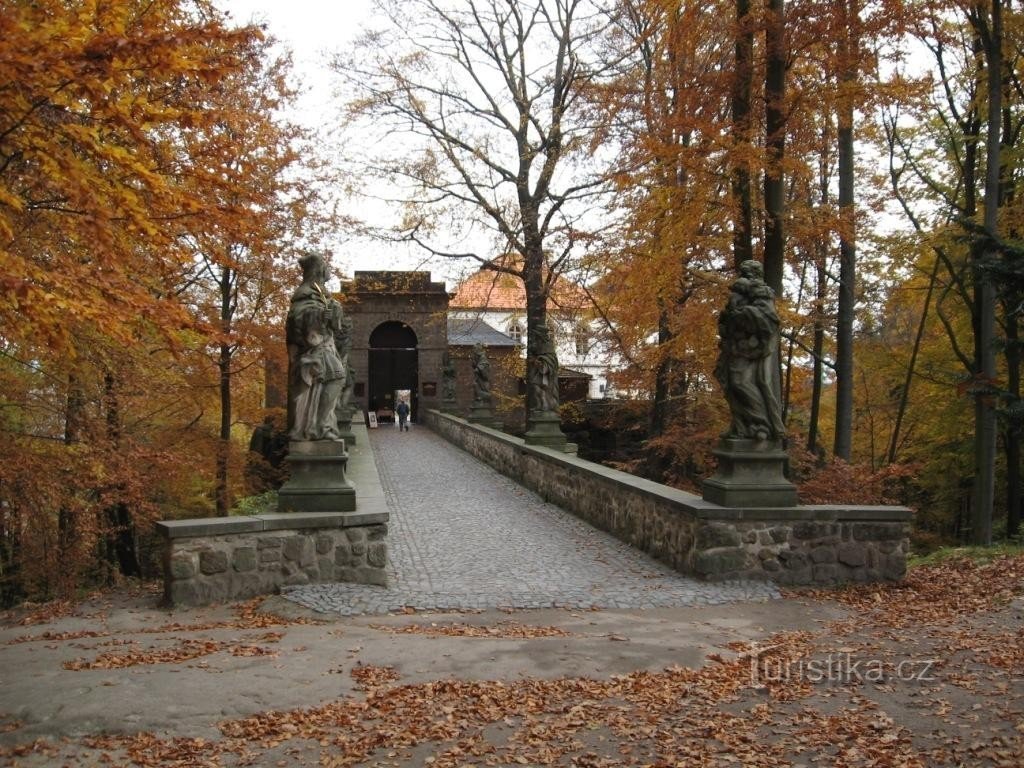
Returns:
(515, 332)
(582, 340)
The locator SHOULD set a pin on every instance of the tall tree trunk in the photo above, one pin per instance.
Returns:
(1013, 424)
(1011, 302)
(120, 527)
(901, 409)
(984, 407)
(74, 420)
(843, 445)
(662, 376)
(222, 489)
(536, 311)
(818, 351)
(742, 238)
(820, 291)
(787, 389)
(775, 144)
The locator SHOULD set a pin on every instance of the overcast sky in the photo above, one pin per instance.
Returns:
(314, 30)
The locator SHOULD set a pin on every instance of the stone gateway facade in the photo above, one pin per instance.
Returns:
(399, 336)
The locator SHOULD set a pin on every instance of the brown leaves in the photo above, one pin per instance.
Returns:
(369, 677)
(932, 593)
(501, 630)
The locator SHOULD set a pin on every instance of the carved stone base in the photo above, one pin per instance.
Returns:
(449, 406)
(482, 414)
(317, 482)
(751, 473)
(545, 428)
(345, 424)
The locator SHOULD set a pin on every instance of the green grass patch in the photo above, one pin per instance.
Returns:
(262, 504)
(980, 555)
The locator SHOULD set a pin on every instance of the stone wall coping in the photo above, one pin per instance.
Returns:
(277, 521)
(371, 507)
(691, 503)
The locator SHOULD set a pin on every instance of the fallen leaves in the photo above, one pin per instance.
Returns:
(369, 677)
(186, 649)
(501, 630)
(933, 593)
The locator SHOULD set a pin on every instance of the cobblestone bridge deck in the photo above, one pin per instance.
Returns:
(463, 536)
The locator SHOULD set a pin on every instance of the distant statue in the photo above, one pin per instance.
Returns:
(747, 368)
(316, 372)
(481, 376)
(448, 377)
(543, 381)
(343, 344)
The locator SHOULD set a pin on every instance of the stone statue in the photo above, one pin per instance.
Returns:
(447, 378)
(343, 344)
(747, 368)
(481, 376)
(543, 381)
(316, 372)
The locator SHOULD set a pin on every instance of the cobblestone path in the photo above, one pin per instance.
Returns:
(463, 536)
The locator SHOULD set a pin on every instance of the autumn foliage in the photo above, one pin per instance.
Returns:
(135, 163)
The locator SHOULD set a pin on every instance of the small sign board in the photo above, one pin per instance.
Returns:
(372, 416)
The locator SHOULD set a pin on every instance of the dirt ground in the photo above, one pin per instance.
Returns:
(926, 673)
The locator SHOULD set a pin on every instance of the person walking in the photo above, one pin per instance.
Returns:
(403, 414)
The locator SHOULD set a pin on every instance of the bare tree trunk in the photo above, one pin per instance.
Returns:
(843, 445)
(120, 528)
(743, 248)
(222, 489)
(894, 441)
(662, 376)
(984, 407)
(818, 348)
(775, 144)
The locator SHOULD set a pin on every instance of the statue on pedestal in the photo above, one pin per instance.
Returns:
(751, 457)
(748, 362)
(543, 381)
(447, 378)
(316, 372)
(481, 376)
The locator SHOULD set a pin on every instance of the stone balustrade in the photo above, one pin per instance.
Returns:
(814, 544)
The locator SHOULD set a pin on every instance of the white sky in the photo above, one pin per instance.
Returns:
(313, 30)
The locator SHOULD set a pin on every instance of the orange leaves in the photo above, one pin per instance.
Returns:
(369, 677)
(502, 630)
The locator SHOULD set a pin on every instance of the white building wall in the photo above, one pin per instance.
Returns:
(590, 356)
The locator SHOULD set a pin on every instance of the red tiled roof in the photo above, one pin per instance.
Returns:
(489, 289)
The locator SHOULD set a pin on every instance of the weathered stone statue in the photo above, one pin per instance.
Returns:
(317, 458)
(748, 362)
(751, 454)
(544, 374)
(481, 412)
(447, 379)
(481, 376)
(543, 421)
(345, 408)
(316, 372)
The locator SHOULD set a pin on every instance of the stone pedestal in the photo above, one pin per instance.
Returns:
(317, 482)
(482, 414)
(449, 406)
(751, 473)
(345, 424)
(545, 428)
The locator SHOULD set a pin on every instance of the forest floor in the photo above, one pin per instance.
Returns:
(929, 672)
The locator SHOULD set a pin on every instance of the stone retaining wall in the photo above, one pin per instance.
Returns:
(213, 560)
(824, 544)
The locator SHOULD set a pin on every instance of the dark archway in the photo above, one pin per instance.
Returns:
(393, 364)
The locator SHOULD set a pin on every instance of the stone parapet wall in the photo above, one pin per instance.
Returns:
(211, 564)
(802, 551)
(824, 544)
